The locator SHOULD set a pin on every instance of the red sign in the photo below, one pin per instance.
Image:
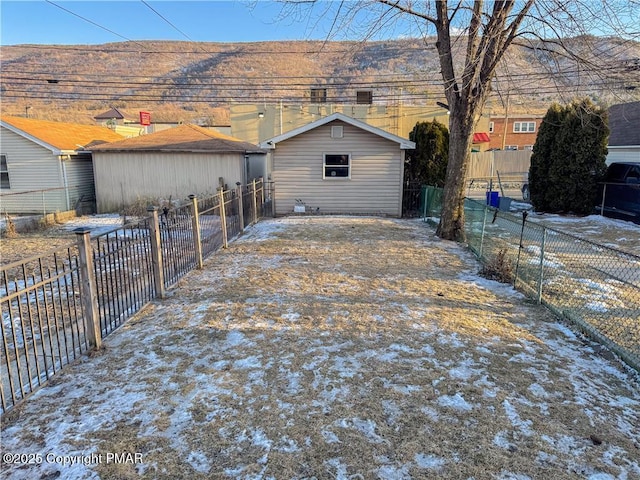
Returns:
(145, 118)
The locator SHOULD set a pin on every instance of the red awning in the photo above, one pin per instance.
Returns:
(481, 137)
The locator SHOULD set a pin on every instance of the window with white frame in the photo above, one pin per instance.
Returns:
(4, 172)
(337, 165)
(524, 127)
(491, 127)
(528, 147)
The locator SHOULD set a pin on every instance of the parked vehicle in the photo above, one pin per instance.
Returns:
(621, 192)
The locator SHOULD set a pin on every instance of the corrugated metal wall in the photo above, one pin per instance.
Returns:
(508, 163)
(122, 178)
(375, 186)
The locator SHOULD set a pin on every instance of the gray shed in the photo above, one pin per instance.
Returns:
(173, 163)
(338, 164)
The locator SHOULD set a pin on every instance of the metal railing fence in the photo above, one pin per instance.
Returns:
(124, 273)
(41, 321)
(594, 286)
(59, 305)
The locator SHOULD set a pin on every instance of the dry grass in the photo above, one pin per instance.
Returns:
(341, 348)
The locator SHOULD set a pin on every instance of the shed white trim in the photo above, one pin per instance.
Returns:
(403, 142)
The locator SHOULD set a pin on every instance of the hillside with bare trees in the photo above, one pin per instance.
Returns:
(196, 82)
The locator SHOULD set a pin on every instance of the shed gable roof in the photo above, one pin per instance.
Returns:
(403, 143)
(624, 124)
(184, 138)
(59, 136)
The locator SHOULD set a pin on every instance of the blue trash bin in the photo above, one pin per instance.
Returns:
(493, 200)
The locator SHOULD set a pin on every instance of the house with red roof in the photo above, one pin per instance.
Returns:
(46, 166)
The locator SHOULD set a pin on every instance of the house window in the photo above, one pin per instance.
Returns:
(364, 97)
(318, 95)
(524, 127)
(511, 147)
(4, 172)
(528, 147)
(491, 126)
(337, 165)
(337, 131)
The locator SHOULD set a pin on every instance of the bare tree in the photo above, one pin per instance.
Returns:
(482, 33)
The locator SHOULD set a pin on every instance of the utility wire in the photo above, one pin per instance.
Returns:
(172, 25)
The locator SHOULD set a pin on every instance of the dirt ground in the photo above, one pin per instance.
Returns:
(336, 347)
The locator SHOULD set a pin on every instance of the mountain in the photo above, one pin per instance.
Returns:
(196, 82)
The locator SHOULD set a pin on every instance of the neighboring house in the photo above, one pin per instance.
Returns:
(480, 142)
(126, 124)
(46, 166)
(513, 133)
(173, 163)
(338, 164)
(116, 116)
(624, 139)
(259, 122)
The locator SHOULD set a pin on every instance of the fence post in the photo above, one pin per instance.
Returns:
(240, 206)
(544, 241)
(195, 220)
(156, 251)
(261, 192)
(484, 223)
(89, 290)
(223, 221)
(604, 196)
(255, 203)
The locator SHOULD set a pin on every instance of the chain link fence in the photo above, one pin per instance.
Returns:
(594, 286)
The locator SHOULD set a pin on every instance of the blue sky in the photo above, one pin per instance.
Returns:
(42, 22)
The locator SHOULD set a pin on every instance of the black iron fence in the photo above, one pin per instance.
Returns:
(59, 305)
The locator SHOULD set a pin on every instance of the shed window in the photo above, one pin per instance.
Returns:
(4, 172)
(337, 131)
(337, 165)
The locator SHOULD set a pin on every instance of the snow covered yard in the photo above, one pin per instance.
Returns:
(336, 347)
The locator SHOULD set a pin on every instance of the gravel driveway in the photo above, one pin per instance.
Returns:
(335, 347)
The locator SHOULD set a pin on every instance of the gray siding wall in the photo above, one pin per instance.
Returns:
(79, 170)
(508, 163)
(31, 167)
(375, 186)
(123, 178)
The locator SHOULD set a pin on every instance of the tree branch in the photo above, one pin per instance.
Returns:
(410, 11)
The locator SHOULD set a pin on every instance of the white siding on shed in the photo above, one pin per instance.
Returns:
(375, 186)
(125, 177)
(31, 167)
(623, 154)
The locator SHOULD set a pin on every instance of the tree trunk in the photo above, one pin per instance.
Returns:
(451, 225)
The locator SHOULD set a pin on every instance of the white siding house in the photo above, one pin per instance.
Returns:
(173, 163)
(338, 165)
(45, 167)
